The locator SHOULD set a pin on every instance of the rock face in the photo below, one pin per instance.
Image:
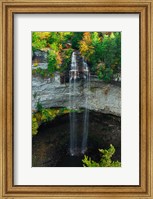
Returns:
(102, 97)
(40, 65)
(39, 56)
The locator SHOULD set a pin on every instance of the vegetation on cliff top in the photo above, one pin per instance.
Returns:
(101, 50)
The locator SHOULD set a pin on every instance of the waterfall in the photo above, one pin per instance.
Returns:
(86, 112)
(73, 62)
(72, 92)
(74, 77)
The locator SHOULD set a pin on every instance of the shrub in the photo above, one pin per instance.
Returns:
(54, 61)
(45, 115)
(105, 160)
(76, 38)
(34, 126)
(66, 59)
(39, 106)
(104, 73)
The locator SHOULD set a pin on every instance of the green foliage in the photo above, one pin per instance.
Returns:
(95, 38)
(105, 160)
(52, 40)
(76, 38)
(39, 106)
(110, 50)
(66, 59)
(52, 61)
(97, 48)
(105, 49)
(109, 53)
(45, 115)
(55, 41)
(104, 73)
(59, 38)
(39, 40)
(41, 72)
(35, 64)
(34, 95)
(34, 126)
(86, 48)
(55, 63)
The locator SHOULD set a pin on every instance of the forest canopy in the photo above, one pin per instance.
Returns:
(101, 50)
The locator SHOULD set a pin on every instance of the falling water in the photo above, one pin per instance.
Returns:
(74, 76)
(86, 112)
(72, 90)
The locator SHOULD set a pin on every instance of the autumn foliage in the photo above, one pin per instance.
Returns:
(101, 50)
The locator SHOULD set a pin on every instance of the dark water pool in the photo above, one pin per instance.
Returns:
(50, 147)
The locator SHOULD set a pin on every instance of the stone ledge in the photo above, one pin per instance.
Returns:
(102, 97)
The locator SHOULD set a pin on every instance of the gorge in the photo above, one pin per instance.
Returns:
(100, 106)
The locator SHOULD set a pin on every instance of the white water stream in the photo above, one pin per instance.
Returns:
(74, 77)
